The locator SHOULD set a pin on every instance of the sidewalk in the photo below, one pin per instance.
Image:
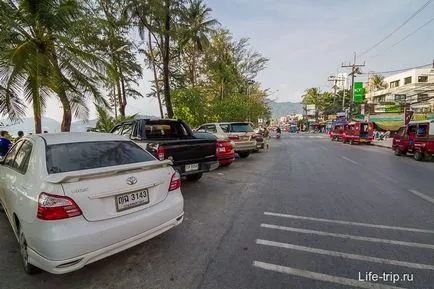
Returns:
(383, 143)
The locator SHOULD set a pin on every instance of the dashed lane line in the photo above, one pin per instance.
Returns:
(345, 236)
(351, 161)
(420, 195)
(345, 255)
(350, 223)
(321, 276)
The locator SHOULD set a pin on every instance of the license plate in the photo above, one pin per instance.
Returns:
(221, 150)
(191, 167)
(131, 200)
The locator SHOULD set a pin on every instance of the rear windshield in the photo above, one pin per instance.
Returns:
(204, 135)
(165, 130)
(241, 127)
(91, 155)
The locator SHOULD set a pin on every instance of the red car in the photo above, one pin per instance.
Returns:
(359, 132)
(225, 149)
(416, 138)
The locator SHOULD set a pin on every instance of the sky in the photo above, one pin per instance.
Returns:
(307, 41)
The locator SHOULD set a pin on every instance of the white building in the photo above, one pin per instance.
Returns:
(414, 87)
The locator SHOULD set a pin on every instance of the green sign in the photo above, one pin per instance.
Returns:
(392, 108)
(359, 92)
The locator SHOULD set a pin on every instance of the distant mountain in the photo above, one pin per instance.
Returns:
(279, 109)
(27, 125)
(48, 124)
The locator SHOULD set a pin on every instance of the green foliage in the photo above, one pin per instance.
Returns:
(106, 122)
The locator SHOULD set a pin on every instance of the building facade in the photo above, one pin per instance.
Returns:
(413, 88)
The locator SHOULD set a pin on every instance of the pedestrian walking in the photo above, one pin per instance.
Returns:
(5, 143)
(20, 135)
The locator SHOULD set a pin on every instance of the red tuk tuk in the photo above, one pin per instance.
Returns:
(416, 138)
(359, 132)
(337, 131)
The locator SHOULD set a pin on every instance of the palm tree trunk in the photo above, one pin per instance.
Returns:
(120, 100)
(154, 68)
(36, 105)
(61, 93)
(166, 56)
(124, 94)
(193, 68)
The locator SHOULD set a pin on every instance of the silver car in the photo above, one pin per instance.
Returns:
(241, 133)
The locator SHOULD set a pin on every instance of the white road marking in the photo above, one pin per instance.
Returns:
(350, 223)
(345, 255)
(321, 276)
(351, 161)
(345, 236)
(420, 195)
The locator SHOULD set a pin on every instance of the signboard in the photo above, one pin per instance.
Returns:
(341, 115)
(359, 92)
(310, 107)
(388, 108)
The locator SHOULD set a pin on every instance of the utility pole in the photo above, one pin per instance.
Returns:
(336, 79)
(354, 70)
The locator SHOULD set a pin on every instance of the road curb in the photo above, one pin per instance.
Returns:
(381, 146)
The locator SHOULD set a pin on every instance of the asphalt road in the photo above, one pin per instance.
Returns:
(309, 213)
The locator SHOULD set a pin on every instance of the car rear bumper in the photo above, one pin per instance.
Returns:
(245, 146)
(72, 245)
(203, 168)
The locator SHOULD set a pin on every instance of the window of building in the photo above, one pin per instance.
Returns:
(394, 84)
(380, 99)
(422, 78)
(407, 80)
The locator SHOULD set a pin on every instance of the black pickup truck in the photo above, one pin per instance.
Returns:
(172, 139)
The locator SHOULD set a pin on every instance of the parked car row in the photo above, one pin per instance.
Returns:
(75, 198)
(241, 134)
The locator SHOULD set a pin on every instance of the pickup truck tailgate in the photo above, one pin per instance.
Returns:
(190, 150)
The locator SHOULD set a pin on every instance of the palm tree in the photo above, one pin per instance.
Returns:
(196, 26)
(313, 96)
(41, 52)
(376, 82)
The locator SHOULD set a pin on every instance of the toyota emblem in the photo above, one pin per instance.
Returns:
(131, 181)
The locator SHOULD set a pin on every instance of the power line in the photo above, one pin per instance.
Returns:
(399, 27)
(405, 38)
(398, 70)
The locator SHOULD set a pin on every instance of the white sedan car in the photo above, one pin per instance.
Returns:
(75, 198)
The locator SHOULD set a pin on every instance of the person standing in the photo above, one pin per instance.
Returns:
(5, 143)
(20, 135)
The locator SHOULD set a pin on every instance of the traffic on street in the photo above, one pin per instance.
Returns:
(216, 144)
(307, 213)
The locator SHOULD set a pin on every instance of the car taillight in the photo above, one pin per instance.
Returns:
(160, 153)
(53, 207)
(175, 182)
(220, 147)
(234, 137)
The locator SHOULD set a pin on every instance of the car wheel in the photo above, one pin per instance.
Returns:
(193, 178)
(243, 155)
(418, 155)
(29, 268)
(397, 151)
(428, 157)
